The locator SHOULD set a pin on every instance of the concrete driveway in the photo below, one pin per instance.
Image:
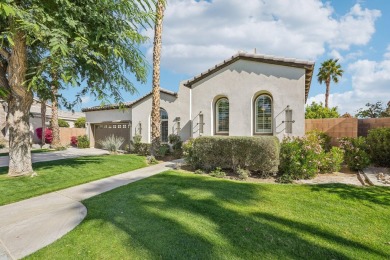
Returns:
(58, 155)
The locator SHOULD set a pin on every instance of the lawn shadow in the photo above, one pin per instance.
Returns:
(184, 217)
(378, 195)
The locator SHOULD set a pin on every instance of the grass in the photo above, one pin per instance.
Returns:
(177, 215)
(60, 174)
(43, 150)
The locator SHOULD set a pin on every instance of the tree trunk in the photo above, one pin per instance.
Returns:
(20, 102)
(43, 120)
(327, 93)
(56, 143)
(156, 122)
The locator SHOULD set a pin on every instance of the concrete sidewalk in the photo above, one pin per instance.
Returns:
(58, 155)
(32, 224)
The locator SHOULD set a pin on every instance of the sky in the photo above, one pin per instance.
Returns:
(199, 34)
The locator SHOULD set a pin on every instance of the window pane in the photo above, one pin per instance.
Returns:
(223, 115)
(263, 114)
(164, 131)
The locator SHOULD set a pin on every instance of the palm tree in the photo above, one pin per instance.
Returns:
(329, 71)
(160, 6)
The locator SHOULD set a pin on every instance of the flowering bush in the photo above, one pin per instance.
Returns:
(355, 150)
(48, 134)
(73, 141)
(379, 146)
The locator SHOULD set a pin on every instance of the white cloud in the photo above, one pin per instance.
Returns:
(200, 34)
(85, 99)
(370, 83)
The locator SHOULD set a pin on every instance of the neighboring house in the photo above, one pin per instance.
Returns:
(245, 95)
(35, 118)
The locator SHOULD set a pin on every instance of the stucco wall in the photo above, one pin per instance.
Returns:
(241, 82)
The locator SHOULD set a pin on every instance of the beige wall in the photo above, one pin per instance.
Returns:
(370, 123)
(67, 133)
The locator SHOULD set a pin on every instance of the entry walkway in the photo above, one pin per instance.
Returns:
(58, 155)
(32, 224)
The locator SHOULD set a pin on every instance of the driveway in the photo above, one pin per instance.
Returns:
(58, 155)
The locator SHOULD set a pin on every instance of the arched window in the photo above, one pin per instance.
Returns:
(222, 116)
(164, 125)
(263, 114)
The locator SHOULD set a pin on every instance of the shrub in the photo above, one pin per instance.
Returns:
(163, 150)
(175, 141)
(199, 171)
(62, 123)
(252, 153)
(323, 138)
(151, 160)
(48, 134)
(112, 143)
(242, 173)
(218, 173)
(82, 141)
(379, 146)
(143, 149)
(80, 122)
(73, 141)
(355, 152)
(331, 161)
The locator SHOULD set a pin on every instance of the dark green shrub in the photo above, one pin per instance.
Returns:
(62, 123)
(218, 173)
(175, 141)
(82, 141)
(80, 122)
(331, 161)
(252, 153)
(355, 152)
(143, 149)
(163, 150)
(378, 141)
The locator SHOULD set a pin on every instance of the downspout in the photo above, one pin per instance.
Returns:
(191, 134)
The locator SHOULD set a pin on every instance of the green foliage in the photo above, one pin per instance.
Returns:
(378, 140)
(62, 123)
(112, 143)
(80, 122)
(163, 150)
(355, 152)
(82, 141)
(305, 157)
(139, 147)
(323, 138)
(175, 141)
(152, 160)
(373, 111)
(318, 111)
(260, 154)
(199, 171)
(242, 173)
(218, 173)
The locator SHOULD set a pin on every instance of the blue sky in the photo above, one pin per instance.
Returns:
(200, 34)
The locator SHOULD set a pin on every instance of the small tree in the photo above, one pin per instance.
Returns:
(373, 111)
(317, 111)
(80, 122)
(62, 123)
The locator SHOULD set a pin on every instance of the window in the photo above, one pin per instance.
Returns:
(263, 115)
(164, 125)
(289, 121)
(222, 116)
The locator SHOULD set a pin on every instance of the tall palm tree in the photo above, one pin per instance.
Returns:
(156, 122)
(329, 71)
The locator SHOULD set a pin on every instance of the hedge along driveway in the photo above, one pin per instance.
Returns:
(60, 174)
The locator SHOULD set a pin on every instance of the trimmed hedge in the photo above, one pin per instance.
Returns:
(258, 154)
(378, 141)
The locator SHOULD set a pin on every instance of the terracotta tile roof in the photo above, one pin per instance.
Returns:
(126, 104)
(290, 62)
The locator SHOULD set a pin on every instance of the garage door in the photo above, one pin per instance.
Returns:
(102, 131)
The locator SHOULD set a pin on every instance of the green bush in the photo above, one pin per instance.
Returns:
(243, 174)
(252, 153)
(62, 123)
(331, 161)
(323, 138)
(82, 141)
(355, 152)
(175, 141)
(80, 122)
(379, 146)
(218, 173)
(163, 150)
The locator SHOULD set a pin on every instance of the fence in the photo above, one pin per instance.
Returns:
(345, 127)
(66, 133)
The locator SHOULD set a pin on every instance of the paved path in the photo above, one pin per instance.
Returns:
(31, 224)
(58, 155)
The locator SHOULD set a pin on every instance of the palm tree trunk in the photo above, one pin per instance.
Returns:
(20, 102)
(156, 122)
(43, 120)
(327, 93)
(56, 143)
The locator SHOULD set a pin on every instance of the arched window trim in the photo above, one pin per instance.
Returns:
(216, 114)
(255, 115)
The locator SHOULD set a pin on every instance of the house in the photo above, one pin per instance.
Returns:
(245, 95)
(35, 118)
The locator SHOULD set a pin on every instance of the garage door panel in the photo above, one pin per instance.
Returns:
(102, 131)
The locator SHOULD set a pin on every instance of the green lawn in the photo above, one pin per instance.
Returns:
(177, 215)
(43, 150)
(59, 174)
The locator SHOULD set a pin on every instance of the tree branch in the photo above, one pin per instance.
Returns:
(6, 55)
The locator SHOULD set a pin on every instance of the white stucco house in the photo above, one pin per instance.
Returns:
(245, 95)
